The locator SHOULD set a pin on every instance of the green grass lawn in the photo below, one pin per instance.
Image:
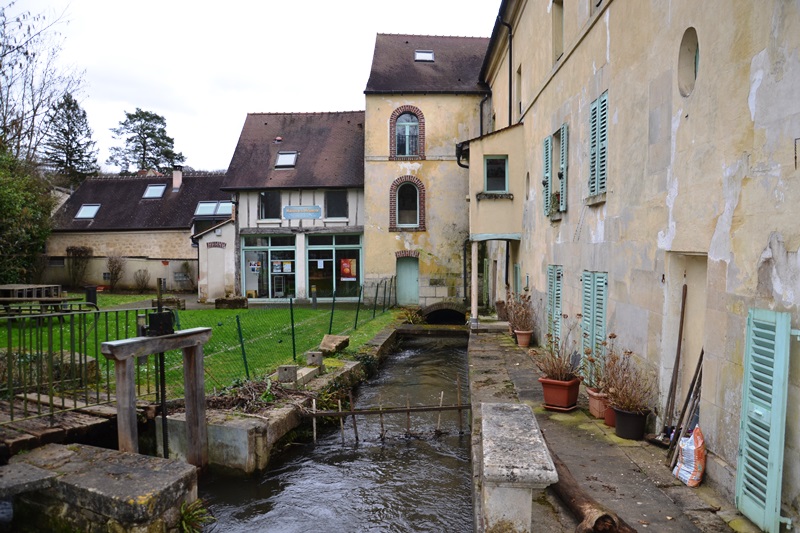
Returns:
(266, 340)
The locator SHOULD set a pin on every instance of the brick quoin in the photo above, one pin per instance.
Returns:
(393, 203)
(393, 134)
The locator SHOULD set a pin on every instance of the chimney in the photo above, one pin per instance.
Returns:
(177, 177)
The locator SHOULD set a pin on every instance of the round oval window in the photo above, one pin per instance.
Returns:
(688, 62)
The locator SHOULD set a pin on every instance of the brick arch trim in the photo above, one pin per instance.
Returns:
(407, 253)
(416, 182)
(393, 133)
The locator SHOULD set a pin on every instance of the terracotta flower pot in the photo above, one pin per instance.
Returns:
(523, 338)
(560, 395)
(598, 403)
(610, 417)
(630, 425)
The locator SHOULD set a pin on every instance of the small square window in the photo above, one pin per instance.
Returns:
(496, 176)
(286, 160)
(88, 211)
(423, 55)
(336, 204)
(106, 276)
(58, 262)
(154, 191)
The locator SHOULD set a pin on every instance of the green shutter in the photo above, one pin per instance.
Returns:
(547, 180)
(554, 284)
(563, 160)
(602, 142)
(593, 124)
(586, 310)
(762, 425)
(600, 293)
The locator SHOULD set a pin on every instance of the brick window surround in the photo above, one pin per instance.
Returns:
(393, 203)
(393, 134)
(407, 253)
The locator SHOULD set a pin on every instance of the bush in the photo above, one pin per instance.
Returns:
(116, 269)
(77, 262)
(141, 278)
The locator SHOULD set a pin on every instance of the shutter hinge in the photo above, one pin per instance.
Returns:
(796, 333)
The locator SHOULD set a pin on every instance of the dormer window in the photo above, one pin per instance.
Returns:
(88, 211)
(154, 191)
(423, 55)
(286, 160)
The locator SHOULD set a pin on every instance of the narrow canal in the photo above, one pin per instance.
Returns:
(401, 483)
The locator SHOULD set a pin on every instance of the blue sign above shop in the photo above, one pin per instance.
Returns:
(295, 212)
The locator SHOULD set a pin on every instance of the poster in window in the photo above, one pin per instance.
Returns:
(287, 266)
(347, 269)
(276, 266)
(255, 266)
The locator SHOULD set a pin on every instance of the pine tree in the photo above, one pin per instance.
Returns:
(68, 148)
(147, 145)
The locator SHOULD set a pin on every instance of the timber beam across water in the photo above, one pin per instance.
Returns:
(388, 410)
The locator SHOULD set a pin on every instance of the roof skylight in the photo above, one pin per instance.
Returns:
(209, 209)
(88, 211)
(154, 191)
(286, 160)
(423, 55)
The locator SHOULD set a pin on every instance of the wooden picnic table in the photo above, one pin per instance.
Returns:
(45, 303)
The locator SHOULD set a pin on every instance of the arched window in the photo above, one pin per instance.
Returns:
(406, 134)
(407, 205)
(407, 131)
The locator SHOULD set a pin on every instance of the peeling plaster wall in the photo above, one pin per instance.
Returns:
(710, 174)
(448, 120)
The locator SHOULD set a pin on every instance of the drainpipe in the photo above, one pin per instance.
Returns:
(508, 258)
(464, 271)
(483, 101)
(510, 67)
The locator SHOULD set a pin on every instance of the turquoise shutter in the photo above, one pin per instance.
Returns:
(593, 124)
(554, 277)
(602, 142)
(586, 310)
(564, 156)
(600, 283)
(547, 180)
(762, 426)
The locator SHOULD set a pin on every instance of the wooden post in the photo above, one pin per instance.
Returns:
(124, 353)
(126, 406)
(194, 391)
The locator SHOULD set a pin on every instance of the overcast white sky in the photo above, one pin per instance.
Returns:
(203, 66)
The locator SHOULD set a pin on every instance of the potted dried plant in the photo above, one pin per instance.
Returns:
(631, 391)
(559, 361)
(521, 317)
(593, 372)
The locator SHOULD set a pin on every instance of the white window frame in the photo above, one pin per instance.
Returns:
(154, 190)
(87, 211)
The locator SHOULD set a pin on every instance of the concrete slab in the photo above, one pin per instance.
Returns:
(18, 478)
(122, 487)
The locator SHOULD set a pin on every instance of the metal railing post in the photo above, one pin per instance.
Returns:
(375, 301)
(291, 317)
(358, 306)
(383, 307)
(241, 343)
(333, 310)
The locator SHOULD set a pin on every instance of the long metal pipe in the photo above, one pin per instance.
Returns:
(510, 66)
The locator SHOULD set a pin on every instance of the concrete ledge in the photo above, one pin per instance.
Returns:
(18, 478)
(515, 462)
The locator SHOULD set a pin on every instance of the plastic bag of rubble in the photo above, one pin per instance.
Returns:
(691, 458)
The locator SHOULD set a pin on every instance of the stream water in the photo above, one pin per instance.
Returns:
(400, 483)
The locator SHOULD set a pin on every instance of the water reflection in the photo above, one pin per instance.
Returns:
(402, 483)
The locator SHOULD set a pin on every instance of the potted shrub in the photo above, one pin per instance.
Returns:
(631, 391)
(593, 368)
(521, 317)
(560, 363)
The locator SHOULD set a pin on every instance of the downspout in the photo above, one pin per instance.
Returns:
(510, 67)
(508, 258)
(464, 257)
(483, 101)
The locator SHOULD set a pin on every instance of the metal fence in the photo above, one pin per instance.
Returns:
(51, 363)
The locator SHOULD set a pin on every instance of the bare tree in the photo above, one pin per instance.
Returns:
(142, 279)
(31, 82)
(115, 264)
